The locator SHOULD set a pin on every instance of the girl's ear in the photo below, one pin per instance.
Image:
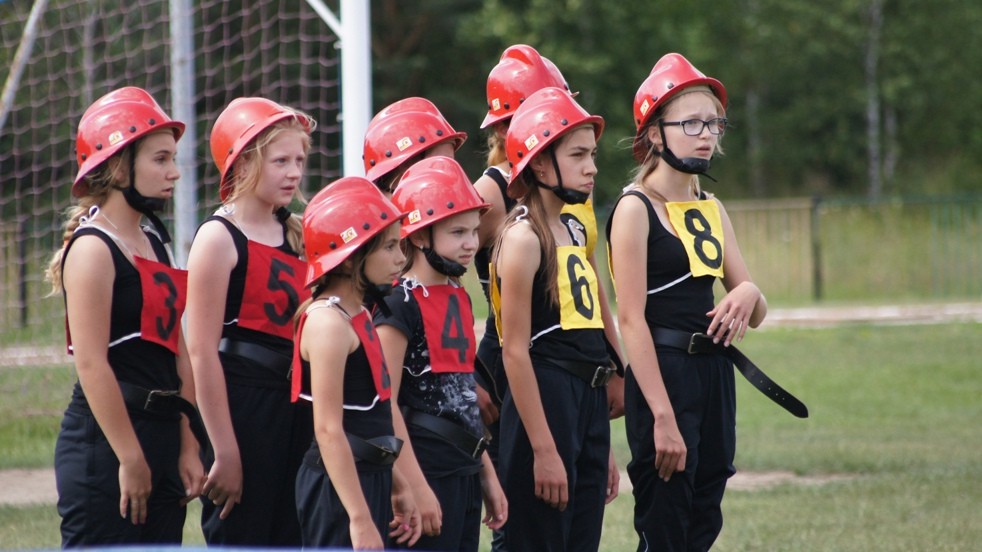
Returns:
(538, 163)
(654, 136)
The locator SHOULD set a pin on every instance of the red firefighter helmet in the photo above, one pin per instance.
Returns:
(520, 72)
(545, 116)
(341, 218)
(434, 189)
(670, 75)
(238, 124)
(113, 122)
(401, 131)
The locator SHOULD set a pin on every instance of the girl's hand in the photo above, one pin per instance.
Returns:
(489, 412)
(364, 534)
(495, 502)
(223, 485)
(613, 479)
(406, 525)
(731, 316)
(134, 489)
(670, 450)
(429, 509)
(192, 473)
(551, 483)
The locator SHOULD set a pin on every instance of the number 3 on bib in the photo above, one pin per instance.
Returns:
(700, 229)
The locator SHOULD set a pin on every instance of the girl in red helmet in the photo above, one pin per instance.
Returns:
(126, 460)
(403, 133)
(669, 242)
(555, 433)
(245, 284)
(520, 72)
(347, 489)
(427, 335)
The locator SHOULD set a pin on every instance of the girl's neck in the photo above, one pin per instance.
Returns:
(343, 288)
(551, 203)
(123, 219)
(669, 184)
(425, 274)
(251, 210)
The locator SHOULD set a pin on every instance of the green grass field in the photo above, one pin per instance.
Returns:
(892, 451)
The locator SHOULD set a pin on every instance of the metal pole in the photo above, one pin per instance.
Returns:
(356, 82)
(182, 100)
(21, 58)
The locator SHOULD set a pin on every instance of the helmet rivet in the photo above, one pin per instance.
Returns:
(388, 154)
(152, 122)
(334, 245)
(429, 211)
(449, 205)
(384, 216)
(132, 129)
(366, 226)
(439, 132)
(670, 86)
(230, 150)
(98, 146)
(83, 157)
(564, 122)
(507, 105)
(372, 162)
(520, 154)
(546, 132)
(422, 139)
(654, 99)
(510, 164)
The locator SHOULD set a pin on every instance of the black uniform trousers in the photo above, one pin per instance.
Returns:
(324, 523)
(578, 419)
(87, 478)
(489, 352)
(273, 434)
(684, 513)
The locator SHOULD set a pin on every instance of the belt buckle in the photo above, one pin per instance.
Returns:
(157, 393)
(692, 342)
(601, 376)
(481, 445)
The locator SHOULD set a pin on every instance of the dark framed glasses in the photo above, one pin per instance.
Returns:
(693, 127)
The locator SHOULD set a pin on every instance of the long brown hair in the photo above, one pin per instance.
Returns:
(496, 144)
(111, 174)
(537, 218)
(247, 172)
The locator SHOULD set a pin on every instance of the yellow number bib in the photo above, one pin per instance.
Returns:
(585, 215)
(579, 302)
(699, 227)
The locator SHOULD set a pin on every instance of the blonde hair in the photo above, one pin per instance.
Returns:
(537, 218)
(100, 182)
(496, 144)
(247, 171)
(652, 158)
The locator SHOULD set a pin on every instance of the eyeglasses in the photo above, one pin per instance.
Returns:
(694, 127)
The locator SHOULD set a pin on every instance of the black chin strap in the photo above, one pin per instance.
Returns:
(688, 165)
(440, 263)
(570, 197)
(145, 205)
(375, 295)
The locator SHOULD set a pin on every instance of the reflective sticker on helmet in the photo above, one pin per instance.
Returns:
(415, 217)
(349, 234)
(645, 106)
(495, 104)
(404, 143)
(115, 138)
(531, 142)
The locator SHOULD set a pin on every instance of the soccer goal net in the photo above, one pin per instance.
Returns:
(82, 49)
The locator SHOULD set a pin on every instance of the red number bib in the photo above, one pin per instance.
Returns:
(273, 291)
(448, 323)
(165, 291)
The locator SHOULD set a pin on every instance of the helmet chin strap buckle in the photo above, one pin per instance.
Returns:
(442, 264)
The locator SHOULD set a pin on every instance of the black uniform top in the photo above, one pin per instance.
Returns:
(482, 259)
(676, 299)
(239, 368)
(133, 359)
(449, 395)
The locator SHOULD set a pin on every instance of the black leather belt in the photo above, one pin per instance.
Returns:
(449, 432)
(698, 343)
(596, 376)
(158, 401)
(381, 451)
(253, 352)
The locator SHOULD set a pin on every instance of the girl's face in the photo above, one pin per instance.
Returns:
(456, 238)
(155, 165)
(384, 264)
(576, 155)
(282, 167)
(694, 105)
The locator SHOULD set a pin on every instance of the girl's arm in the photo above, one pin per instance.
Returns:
(406, 525)
(495, 502)
(192, 472)
(88, 282)
(615, 387)
(210, 264)
(328, 358)
(629, 258)
(394, 344)
(516, 264)
(743, 305)
(492, 220)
